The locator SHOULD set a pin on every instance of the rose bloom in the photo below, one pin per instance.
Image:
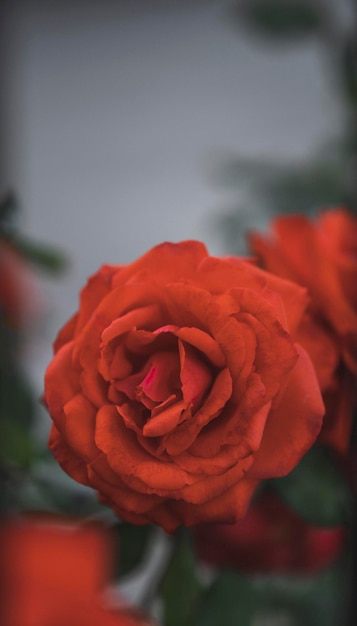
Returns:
(322, 256)
(177, 387)
(271, 539)
(53, 574)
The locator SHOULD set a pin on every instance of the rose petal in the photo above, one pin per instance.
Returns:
(293, 424)
(229, 507)
(97, 287)
(128, 459)
(207, 488)
(165, 421)
(340, 405)
(93, 387)
(66, 334)
(221, 275)
(163, 262)
(184, 435)
(79, 427)
(219, 463)
(322, 348)
(242, 425)
(60, 389)
(163, 376)
(109, 483)
(127, 306)
(68, 460)
(275, 354)
(196, 377)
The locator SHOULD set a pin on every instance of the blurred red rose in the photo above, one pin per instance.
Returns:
(270, 539)
(322, 256)
(52, 574)
(170, 388)
(19, 297)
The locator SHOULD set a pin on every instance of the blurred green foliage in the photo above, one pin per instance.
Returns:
(181, 588)
(279, 19)
(317, 490)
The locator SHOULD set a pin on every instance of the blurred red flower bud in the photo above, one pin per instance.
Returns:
(54, 574)
(271, 538)
(19, 297)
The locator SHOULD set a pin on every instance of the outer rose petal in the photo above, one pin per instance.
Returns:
(293, 425)
(110, 484)
(163, 262)
(340, 405)
(322, 348)
(61, 389)
(228, 507)
(68, 460)
(66, 333)
(97, 287)
(79, 426)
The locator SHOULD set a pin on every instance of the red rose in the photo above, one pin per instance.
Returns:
(270, 539)
(322, 256)
(176, 387)
(53, 574)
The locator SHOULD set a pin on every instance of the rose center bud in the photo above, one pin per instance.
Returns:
(168, 389)
(161, 382)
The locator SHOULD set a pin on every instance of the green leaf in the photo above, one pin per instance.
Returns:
(316, 490)
(181, 587)
(231, 600)
(17, 446)
(133, 544)
(8, 207)
(280, 18)
(349, 72)
(48, 487)
(309, 601)
(17, 402)
(46, 258)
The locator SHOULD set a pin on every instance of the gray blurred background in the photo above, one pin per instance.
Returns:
(114, 116)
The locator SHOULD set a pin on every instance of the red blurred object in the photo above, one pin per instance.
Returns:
(271, 538)
(321, 255)
(19, 296)
(53, 573)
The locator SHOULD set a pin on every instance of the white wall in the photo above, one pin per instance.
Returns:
(115, 113)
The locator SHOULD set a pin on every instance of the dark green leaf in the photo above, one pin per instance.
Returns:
(230, 601)
(316, 489)
(309, 601)
(45, 257)
(8, 208)
(18, 448)
(349, 72)
(280, 18)
(133, 544)
(16, 398)
(181, 587)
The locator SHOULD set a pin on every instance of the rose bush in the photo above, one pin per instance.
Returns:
(178, 387)
(270, 539)
(322, 256)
